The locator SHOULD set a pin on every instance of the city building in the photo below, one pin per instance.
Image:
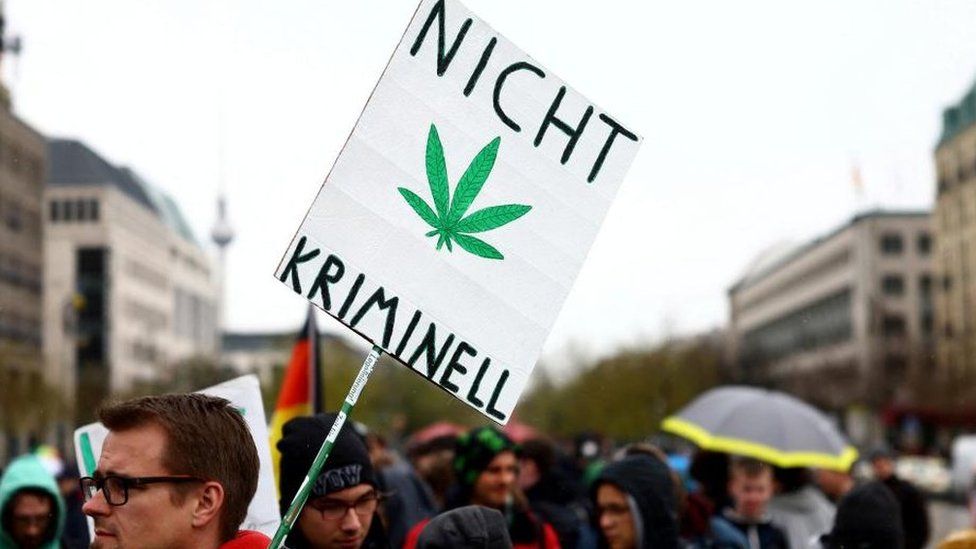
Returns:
(128, 291)
(844, 321)
(267, 353)
(22, 164)
(955, 251)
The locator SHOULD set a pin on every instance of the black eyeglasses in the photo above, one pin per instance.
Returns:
(116, 488)
(334, 509)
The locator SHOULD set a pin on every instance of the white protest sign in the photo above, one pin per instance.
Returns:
(461, 208)
(244, 393)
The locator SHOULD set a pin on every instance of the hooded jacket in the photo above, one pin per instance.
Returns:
(804, 515)
(648, 483)
(28, 472)
(473, 527)
(867, 516)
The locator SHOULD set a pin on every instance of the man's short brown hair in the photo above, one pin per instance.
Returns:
(206, 437)
(749, 467)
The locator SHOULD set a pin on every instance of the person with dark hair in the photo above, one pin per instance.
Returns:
(341, 511)
(176, 470)
(868, 517)
(552, 494)
(433, 462)
(798, 507)
(75, 535)
(835, 484)
(711, 471)
(31, 509)
(914, 510)
(635, 504)
(486, 471)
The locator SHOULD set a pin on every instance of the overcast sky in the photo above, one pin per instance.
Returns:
(754, 114)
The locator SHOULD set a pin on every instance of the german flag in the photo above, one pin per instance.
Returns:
(299, 394)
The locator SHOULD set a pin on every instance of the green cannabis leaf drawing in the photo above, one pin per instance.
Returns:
(447, 216)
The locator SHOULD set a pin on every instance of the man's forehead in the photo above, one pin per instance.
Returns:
(30, 502)
(352, 493)
(134, 451)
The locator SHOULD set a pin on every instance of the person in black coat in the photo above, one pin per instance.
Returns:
(867, 517)
(914, 510)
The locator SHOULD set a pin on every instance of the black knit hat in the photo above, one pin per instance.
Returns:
(475, 450)
(348, 464)
(869, 517)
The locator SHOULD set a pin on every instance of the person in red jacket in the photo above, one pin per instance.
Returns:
(486, 471)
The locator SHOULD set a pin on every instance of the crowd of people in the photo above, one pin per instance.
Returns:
(181, 470)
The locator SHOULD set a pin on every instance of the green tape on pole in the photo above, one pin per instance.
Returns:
(87, 455)
(297, 504)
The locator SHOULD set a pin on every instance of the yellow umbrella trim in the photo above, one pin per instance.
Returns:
(708, 441)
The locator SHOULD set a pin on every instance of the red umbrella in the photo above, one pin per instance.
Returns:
(520, 432)
(436, 430)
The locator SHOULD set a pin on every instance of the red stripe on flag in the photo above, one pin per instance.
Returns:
(294, 387)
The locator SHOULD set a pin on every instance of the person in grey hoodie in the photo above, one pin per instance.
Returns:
(799, 508)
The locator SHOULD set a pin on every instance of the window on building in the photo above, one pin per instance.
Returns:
(55, 211)
(924, 243)
(68, 209)
(83, 206)
(893, 285)
(925, 285)
(93, 209)
(891, 244)
(893, 325)
(928, 323)
(13, 216)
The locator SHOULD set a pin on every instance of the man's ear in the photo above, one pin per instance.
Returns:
(209, 503)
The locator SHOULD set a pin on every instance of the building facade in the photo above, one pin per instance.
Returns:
(843, 321)
(955, 257)
(128, 291)
(22, 173)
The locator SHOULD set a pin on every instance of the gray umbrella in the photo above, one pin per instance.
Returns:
(771, 426)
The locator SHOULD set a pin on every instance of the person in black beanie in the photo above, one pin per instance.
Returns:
(868, 517)
(341, 511)
(635, 504)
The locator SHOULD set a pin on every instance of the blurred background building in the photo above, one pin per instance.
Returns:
(955, 259)
(844, 321)
(22, 172)
(128, 291)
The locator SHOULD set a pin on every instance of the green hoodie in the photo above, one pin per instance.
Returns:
(28, 472)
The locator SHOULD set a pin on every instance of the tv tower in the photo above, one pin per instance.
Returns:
(222, 234)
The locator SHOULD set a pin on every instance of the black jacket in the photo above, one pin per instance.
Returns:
(914, 512)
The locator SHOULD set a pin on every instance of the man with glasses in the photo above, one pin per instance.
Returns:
(30, 506)
(341, 511)
(175, 471)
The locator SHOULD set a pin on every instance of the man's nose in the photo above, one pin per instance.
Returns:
(350, 521)
(96, 506)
